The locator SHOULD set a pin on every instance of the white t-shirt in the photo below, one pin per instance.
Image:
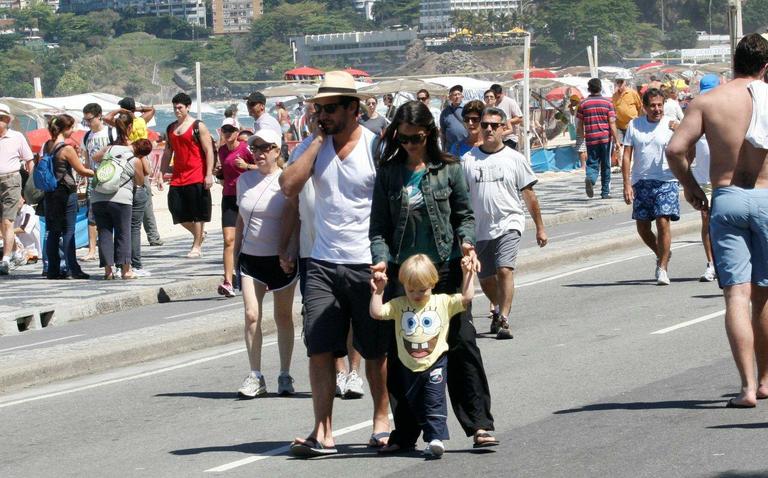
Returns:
(673, 110)
(648, 141)
(268, 121)
(344, 191)
(260, 204)
(95, 141)
(495, 182)
(700, 165)
(512, 110)
(30, 223)
(306, 205)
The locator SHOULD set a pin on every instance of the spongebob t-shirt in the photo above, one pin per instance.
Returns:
(422, 331)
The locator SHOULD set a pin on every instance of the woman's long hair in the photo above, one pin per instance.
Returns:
(123, 125)
(413, 113)
(57, 124)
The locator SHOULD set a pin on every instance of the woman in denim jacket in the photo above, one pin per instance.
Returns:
(421, 206)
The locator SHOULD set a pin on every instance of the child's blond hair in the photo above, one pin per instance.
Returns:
(418, 272)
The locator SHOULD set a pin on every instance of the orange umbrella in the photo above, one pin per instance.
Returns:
(37, 138)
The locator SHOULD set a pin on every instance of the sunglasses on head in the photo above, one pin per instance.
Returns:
(471, 119)
(413, 139)
(493, 126)
(329, 108)
(264, 147)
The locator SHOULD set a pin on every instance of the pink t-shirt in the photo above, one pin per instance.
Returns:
(231, 172)
(13, 149)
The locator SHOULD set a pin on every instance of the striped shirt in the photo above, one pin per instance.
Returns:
(595, 113)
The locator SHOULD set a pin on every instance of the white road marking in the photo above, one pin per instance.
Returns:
(562, 235)
(689, 322)
(284, 448)
(40, 343)
(237, 304)
(625, 222)
(596, 266)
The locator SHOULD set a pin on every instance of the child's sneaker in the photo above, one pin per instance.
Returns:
(435, 449)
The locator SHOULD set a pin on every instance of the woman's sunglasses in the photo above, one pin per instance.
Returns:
(471, 119)
(413, 139)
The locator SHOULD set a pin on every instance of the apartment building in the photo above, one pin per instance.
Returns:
(193, 11)
(235, 16)
(435, 16)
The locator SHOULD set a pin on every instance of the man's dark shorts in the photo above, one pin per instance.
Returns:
(191, 203)
(338, 295)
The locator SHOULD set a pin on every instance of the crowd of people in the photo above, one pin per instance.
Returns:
(385, 221)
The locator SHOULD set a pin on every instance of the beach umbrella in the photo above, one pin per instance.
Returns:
(535, 73)
(653, 64)
(355, 72)
(290, 89)
(303, 71)
(37, 138)
(408, 85)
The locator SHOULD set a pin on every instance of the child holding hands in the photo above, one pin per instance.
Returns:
(421, 330)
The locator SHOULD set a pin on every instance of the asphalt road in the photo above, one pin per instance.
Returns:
(608, 374)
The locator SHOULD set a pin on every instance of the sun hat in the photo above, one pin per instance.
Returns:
(338, 83)
(268, 136)
(708, 82)
(5, 110)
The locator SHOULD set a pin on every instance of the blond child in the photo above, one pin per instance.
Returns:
(421, 327)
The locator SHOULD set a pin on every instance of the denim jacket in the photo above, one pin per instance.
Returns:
(446, 196)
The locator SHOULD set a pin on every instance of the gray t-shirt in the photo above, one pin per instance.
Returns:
(124, 195)
(376, 124)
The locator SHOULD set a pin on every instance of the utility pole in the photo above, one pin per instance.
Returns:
(735, 25)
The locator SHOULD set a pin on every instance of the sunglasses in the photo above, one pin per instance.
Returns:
(329, 108)
(413, 139)
(471, 119)
(493, 126)
(422, 98)
(262, 147)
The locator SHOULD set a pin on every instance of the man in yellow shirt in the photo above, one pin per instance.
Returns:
(128, 105)
(628, 106)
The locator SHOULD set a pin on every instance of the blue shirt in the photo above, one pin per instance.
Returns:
(452, 126)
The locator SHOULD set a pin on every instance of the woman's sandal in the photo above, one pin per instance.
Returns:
(490, 440)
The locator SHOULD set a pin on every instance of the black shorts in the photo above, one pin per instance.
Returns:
(229, 211)
(266, 271)
(337, 296)
(190, 203)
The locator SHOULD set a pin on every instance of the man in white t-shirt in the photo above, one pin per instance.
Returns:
(653, 190)
(257, 109)
(339, 161)
(514, 115)
(498, 176)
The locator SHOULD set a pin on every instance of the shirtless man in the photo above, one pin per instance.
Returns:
(739, 175)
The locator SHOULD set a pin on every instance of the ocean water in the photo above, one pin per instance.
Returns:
(164, 117)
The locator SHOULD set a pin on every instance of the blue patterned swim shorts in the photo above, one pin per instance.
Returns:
(654, 199)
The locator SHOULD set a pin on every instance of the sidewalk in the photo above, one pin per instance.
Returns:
(30, 301)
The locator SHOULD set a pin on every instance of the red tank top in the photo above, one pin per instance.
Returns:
(188, 160)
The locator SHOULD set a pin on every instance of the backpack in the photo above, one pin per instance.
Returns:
(196, 135)
(44, 175)
(111, 172)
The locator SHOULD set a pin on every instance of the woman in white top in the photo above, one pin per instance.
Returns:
(262, 250)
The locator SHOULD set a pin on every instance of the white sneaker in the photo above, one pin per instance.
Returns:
(657, 272)
(142, 273)
(709, 275)
(434, 449)
(663, 278)
(341, 383)
(17, 260)
(252, 387)
(354, 386)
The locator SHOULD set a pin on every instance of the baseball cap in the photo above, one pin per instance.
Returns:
(228, 125)
(256, 97)
(127, 103)
(708, 82)
(268, 136)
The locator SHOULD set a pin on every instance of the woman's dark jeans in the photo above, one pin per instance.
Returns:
(113, 223)
(60, 220)
(140, 198)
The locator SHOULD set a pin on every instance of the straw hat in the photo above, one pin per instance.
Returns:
(338, 83)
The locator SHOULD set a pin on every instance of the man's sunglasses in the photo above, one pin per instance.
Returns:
(329, 108)
(262, 147)
(493, 126)
(422, 98)
(471, 119)
(413, 139)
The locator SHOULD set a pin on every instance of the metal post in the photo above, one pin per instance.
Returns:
(38, 88)
(198, 91)
(526, 98)
(594, 52)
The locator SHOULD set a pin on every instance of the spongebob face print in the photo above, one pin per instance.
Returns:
(419, 332)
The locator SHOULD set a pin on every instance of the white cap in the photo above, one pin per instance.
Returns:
(5, 110)
(229, 122)
(268, 136)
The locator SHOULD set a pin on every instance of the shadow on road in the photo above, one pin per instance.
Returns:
(230, 395)
(671, 404)
(634, 282)
(744, 426)
(250, 448)
(741, 474)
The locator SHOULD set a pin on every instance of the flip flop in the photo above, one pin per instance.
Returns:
(487, 443)
(732, 404)
(376, 440)
(311, 448)
(194, 255)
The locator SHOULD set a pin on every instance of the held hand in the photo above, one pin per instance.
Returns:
(208, 181)
(287, 263)
(629, 194)
(378, 282)
(696, 198)
(541, 237)
(378, 272)
(468, 251)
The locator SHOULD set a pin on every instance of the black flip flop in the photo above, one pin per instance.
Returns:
(376, 440)
(310, 449)
(485, 444)
(732, 404)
